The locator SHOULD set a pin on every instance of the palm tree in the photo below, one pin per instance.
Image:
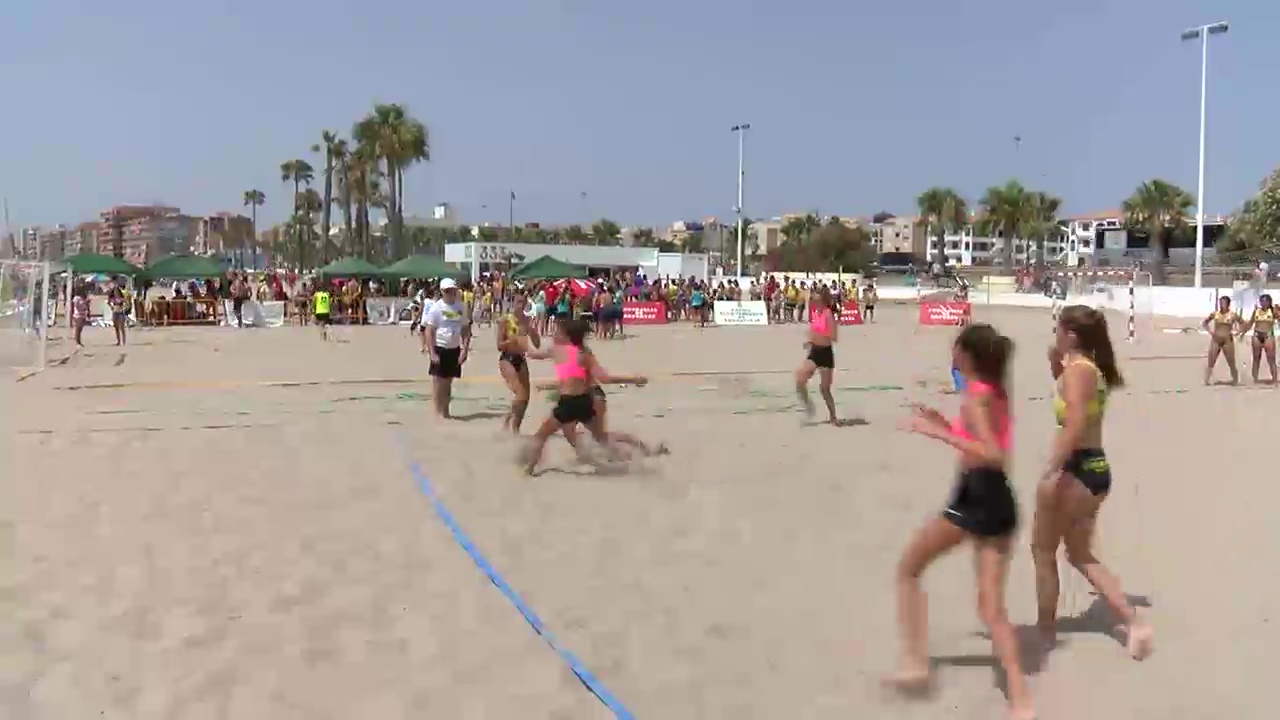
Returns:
(362, 186)
(942, 211)
(398, 141)
(342, 157)
(299, 172)
(1161, 208)
(644, 237)
(1007, 212)
(1042, 224)
(254, 199)
(329, 142)
(308, 203)
(605, 232)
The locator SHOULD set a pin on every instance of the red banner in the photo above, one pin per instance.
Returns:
(944, 313)
(644, 313)
(850, 313)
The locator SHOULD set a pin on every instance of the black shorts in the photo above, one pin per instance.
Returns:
(449, 363)
(822, 356)
(983, 503)
(237, 303)
(574, 409)
(869, 307)
(599, 392)
(322, 318)
(1262, 336)
(517, 360)
(1090, 467)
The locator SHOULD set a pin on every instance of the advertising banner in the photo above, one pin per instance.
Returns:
(740, 312)
(944, 313)
(644, 313)
(850, 313)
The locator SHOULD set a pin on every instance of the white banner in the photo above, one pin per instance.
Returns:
(740, 312)
(379, 311)
(256, 314)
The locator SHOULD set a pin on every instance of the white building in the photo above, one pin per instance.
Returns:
(482, 257)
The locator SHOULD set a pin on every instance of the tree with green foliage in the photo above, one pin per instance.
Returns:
(942, 211)
(1256, 225)
(1160, 208)
(829, 248)
(254, 199)
(1007, 212)
(605, 232)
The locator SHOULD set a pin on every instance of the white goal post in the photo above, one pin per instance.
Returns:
(26, 315)
(1124, 291)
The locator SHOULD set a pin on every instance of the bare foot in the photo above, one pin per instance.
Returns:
(1140, 642)
(913, 682)
(1022, 712)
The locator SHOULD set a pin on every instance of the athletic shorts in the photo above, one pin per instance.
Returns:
(322, 318)
(982, 503)
(1090, 467)
(822, 356)
(517, 360)
(448, 364)
(574, 409)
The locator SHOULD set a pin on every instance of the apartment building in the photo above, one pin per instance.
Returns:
(81, 238)
(221, 233)
(898, 234)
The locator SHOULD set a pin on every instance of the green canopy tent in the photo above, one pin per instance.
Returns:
(548, 268)
(349, 267)
(422, 266)
(95, 264)
(183, 267)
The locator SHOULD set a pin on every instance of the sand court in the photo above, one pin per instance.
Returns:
(226, 524)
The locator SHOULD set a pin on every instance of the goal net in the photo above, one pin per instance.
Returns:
(26, 315)
(1125, 295)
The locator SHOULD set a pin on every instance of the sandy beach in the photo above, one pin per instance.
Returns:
(212, 523)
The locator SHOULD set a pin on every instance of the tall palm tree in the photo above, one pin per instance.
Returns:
(1042, 224)
(328, 145)
(308, 203)
(1161, 208)
(397, 141)
(363, 186)
(1006, 211)
(299, 172)
(342, 156)
(254, 199)
(942, 211)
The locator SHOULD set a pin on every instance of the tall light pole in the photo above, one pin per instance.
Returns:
(1202, 34)
(741, 130)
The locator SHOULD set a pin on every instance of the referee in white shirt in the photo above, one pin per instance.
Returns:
(448, 335)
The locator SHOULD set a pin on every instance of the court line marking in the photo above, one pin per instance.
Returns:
(588, 679)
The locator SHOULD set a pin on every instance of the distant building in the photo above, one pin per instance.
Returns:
(899, 234)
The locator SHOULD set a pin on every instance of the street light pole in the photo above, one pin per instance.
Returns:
(741, 130)
(1202, 34)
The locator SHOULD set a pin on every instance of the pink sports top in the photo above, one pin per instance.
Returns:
(1000, 408)
(570, 369)
(818, 323)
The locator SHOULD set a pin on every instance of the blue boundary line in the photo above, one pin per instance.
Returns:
(588, 679)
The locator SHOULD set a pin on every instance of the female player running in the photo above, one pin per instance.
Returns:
(982, 510)
(601, 377)
(575, 403)
(1262, 322)
(1222, 328)
(823, 334)
(516, 333)
(1078, 478)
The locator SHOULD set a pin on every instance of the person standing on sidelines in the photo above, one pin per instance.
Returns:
(448, 334)
(321, 302)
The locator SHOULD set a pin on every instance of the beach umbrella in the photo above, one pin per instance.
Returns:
(577, 287)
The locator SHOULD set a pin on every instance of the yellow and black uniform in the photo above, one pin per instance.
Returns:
(514, 330)
(1263, 323)
(321, 300)
(1223, 325)
(1088, 465)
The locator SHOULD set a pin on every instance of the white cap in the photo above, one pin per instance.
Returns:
(448, 284)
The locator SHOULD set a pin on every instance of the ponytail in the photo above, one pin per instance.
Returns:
(1094, 340)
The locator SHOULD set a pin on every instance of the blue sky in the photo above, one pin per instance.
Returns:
(855, 106)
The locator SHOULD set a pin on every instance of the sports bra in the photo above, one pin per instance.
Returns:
(1224, 318)
(1268, 315)
(1001, 418)
(571, 369)
(1095, 407)
(818, 323)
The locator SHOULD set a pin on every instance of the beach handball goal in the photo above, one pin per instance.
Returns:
(1118, 291)
(26, 315)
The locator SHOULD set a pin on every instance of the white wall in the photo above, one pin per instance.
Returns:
(1179, 302)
